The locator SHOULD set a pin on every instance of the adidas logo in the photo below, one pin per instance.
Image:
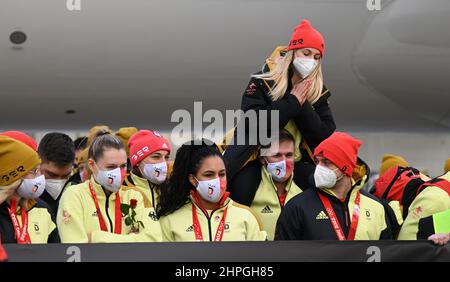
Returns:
(266, 210)
(190, 229)
(322, 215)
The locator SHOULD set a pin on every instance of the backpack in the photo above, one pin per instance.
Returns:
(403, 184)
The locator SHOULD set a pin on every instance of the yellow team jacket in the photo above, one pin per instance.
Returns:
(40, 223)
(266, 203)
(241, 224)
(150, 191)
(430, 201)
(77, 216)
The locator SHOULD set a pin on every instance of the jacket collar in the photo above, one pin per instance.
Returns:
(224, 201)
(139, 181)
(30, 205)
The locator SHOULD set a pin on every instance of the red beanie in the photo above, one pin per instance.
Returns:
(22, 137)
(305, 36)
(341, 149)
(144, 143)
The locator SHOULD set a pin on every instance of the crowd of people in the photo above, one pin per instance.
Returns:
(310, 184)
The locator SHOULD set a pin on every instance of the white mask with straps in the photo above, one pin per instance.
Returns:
(325, 177)
(110, 179)
(304, 66)
(54, 187)
(277, 170)
(32, 188)
(210, 190)
(155, 173)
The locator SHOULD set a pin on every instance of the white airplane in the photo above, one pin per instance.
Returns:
(132, 63)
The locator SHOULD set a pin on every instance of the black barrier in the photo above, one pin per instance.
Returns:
(279, 251)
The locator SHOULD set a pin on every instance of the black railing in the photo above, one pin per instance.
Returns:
(278, 251)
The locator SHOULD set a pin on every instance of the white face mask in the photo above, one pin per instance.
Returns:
(325, 177)
(110, 179)
(211, 190)
(156, 173)
(277, 170)
(32, 188)
(304, 66)
(54, 187)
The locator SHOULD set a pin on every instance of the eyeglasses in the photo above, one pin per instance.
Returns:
(34, 172)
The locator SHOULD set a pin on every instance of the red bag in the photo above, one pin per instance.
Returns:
(403, 184)
(3, 256)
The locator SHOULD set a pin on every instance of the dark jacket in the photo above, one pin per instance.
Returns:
(41, 224)
(305, 218)
(315, 122)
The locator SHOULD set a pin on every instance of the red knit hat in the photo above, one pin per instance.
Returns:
(305, 36)
(144, 143)
(22, 137)
(341, 149)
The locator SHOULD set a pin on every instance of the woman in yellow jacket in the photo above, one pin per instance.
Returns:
(101, 209)
(194, 205)
(149, 156)
(24, 219)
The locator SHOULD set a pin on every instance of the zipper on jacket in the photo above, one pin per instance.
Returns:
(346, 218)
(209, 225)
(276, 194)
(153, 196)
(107, 212)
(209, 229)
(209, 220)
(346, 210)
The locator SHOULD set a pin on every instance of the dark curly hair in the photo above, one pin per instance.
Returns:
(175, 193)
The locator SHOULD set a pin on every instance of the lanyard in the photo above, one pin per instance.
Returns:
(3, 256)
(198, 228)
(334, 221)
(118, 214)
(22, 235)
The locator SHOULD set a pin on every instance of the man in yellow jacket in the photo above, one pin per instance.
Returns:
(429, 201)
(277, 186)
(101, 210)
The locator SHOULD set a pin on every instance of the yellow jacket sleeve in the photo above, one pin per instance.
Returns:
(70, 218)
(150, 233)
(255, 228)
(432, 200)
(167, 235)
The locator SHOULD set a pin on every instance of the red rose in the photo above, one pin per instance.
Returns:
(133, 203)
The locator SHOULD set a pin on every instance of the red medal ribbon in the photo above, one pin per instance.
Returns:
(335, 222)
(118, 212)
(21, 234)
(198, 228)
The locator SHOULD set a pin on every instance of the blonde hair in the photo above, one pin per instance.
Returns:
(280, 75)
